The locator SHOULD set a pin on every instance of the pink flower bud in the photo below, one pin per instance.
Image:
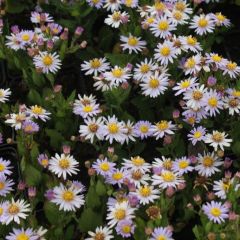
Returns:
(66, 149)
(170, 192)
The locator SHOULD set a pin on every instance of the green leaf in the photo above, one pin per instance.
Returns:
(32, 175)
(101, 188)
(92, 199)
(52, 213)
(236, 148)
(13, 6)
(34, 97)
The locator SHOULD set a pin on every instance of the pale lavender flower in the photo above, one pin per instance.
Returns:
(161, 233)
(125, 228)
(49, 194)
(103, 167)
(30, 127)
(43, 160)
(197, 134)
(142, 129)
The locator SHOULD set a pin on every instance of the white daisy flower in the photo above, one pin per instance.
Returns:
(101, 233)
(185, 85)
(138, 178)
(15, 210)
(25, 37)
(103, 167)
(135, 164)
(162, 164)
(218, 139)
(21, 234)
(118, 212)
(4, 94)
(92, 128)
(13, 42)
(47, 62)
(116, 18)
(221, 187)
(154, 85)
(161, 128)
(144, 69)
(158, 8)
(195, 97)
(202, 24)
(162, 27)
(117, 176)
(63, 165)
(68, 198)
(38, 112)
(216, 211)
(190, 43)
(103, 84)
(177, 17)
(5, 186)
(208, 164)
(193, 65)
(37, 17)
(16, 120)
(220, 20)
(117, 75)
(215, 59)
(232, 69)
(130, 134)
(5, 167)
(182, 165)
(167, 179)
(146, 194)
(112, 5)
(165, 53)
(95, 66)
(182, 6)
(114, 130)
(232, 104)
(161, 233)
(132, 43)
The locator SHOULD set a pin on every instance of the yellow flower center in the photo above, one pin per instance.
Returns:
(117, 176)
(116, 16)
(47, 60)
(99, 236)
(120, 214)
(197, 95)
(143, 128)
(88, 108)
(190, 63)
(28, 128)
(217, 137)
(1, 211)
(231, 66)
(216, 212)
(93, 127)
(136, 175)
(168, 176)
(165, 51)
(233, 103)
(212, 102)
(216, 58)
(236, 93)
(168, 164)
(220, 17)
(191, 40)
(1, 93)
(126, 229)
(2, 167)
(22, 236)
(138, 161)
(197, 134)
(163, 26)
(159, 6)
(117, 72)
(180, 6)
(68, 196)
(44, 162)
(154, 83)
(113, 128)
(132, 41)
(226, 186)
(64, 163)
(177, 15)
(25, 37)
(145, 191)
(150, 20)
(144, 68)
(13, 209)
(95, 1)
(2, 185)
(105, 166)
(95, 63)
(208, 161)
(191, 120)
(37, 110)
(161, 237)
(203, 22)
(185, 84)
(183, 164)
(162, 125)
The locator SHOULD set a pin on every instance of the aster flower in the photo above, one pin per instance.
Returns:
(193, 65)
(177, 17)
(182, 165)
(4, 95)
(183, 6)
(190, 43)
(232, 104)
(112, 5)
(216, 60)
(43, 160)
(117, 75)
(95, 66)
(132, 43)
(103, 84)
(161, 233)
(5, 186)
(30, 127)
(142, 129)
(216, 211)
(138, 178)
(63, 165)
(220, 20)
(16, 120)
(185, 85)
(21, 234)
(38, 112)
(116, 176)
(15, 210)
(163, 163)
(130, 3)
(5, 167)
(103, 167)
(47, 62)
(221, 187)
(103, 233)
(55, 28)
(218, 139)
(231, 68)
(136, 163)
(125, 228)
(208, 164)
(155, 85)
(37, 17)
(116, 18)
(202, 24)
(96, 3)
(196, 135)
(13, 42)
(130, 134)
(67, 198)
(25, 37)
(161, 128)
